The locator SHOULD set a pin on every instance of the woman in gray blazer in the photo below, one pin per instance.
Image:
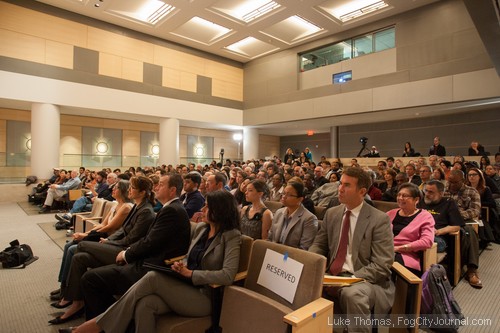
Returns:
(213, 257)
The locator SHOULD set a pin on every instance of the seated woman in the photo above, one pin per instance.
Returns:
(213, 258)
(256, 218)
(413, 228)
(484, 162)
(475, 179)
(389, 181)
(293, 225)
(134, 227)
(110, 223)
(408, 151)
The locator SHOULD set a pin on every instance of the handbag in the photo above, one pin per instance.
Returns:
(17, 256)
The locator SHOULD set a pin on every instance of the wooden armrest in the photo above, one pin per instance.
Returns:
(405, 273)
(93, 218)
(429, 257)
(82, 214)
(312, 317)
(172, 260)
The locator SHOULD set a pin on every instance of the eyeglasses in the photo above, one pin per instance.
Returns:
(404, 196)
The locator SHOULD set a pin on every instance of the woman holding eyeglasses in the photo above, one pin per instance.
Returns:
(413, 228)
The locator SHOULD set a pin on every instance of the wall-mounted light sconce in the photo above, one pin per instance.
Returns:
(28, 144)
(155, 150)
(199, 150)
(101, 147)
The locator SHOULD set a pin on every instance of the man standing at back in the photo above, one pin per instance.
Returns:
(357, 241)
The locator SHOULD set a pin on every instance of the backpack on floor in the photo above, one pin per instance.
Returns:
(438, 303)
(18, 256)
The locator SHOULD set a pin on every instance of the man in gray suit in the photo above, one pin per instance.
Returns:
(368, 253)
(293, 225)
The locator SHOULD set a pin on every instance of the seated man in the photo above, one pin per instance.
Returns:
(325, 195)
(167, 237)
(469, 205)
(447, 220)
(412, 174)
(357, 241)
(425, 176)
(192, 199)
(293, 225)
(319, 179)
(102, 189)
(58, 191)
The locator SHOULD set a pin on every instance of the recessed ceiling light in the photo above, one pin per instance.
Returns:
(245, 10)
(347, 10)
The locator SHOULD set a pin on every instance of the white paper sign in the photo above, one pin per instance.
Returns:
(280, 274)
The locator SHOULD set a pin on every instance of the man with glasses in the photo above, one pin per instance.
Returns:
(425, 175)
(469, 205)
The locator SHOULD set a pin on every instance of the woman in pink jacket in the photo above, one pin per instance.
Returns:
(413, 228)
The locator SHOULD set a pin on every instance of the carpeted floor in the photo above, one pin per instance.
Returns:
(31, 209)
(58, 236)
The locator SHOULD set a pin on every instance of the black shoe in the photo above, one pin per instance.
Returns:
(58, 320)
(55, 292)
(44, 209)
(56, 297)
(59, 306)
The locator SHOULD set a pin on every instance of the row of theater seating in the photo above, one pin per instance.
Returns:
(249, 307)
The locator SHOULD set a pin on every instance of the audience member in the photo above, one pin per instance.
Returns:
(168, 237)
(389, 180)
(192, 199)
(278, 187)
(308, 154)
(319, 178)
(157, 293)
(289, 156)
(437, 148)
(475, 149)
(256, 218)
(381, 167)
(412, 175)
(391, 194)
(483, 162)
(327, 195)
(492, 173)
(446, 167)
(413, 228)
(92, 254)
(293, 225)
(408, 151)
(373, 191)
(469, 205)
(362, 246)
(425, 175)
(56, 191)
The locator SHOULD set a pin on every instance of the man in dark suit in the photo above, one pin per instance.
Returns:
(412, 175)
(357, 241)
(168, 237)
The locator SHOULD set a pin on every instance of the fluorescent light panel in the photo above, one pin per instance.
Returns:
(346, 10)
(245, 10)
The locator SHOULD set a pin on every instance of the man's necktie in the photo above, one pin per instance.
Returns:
(337, 264)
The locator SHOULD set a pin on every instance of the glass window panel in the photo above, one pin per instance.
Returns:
(363, 45)
(150, 145)
(18, 143)
(384, 39)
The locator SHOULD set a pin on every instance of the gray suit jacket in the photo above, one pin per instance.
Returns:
(372, 251)
(221, 259)
(301, 230)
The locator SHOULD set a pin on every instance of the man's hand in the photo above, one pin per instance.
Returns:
(120, 258)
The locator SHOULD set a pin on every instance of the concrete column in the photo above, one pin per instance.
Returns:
(169, 141)
(334, 141)
(45, 139)
(250, 143)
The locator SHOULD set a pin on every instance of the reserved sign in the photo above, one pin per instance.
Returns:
(280, 274)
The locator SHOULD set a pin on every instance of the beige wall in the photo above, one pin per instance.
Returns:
(439, 58)
(42, 38)
(71, 139)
